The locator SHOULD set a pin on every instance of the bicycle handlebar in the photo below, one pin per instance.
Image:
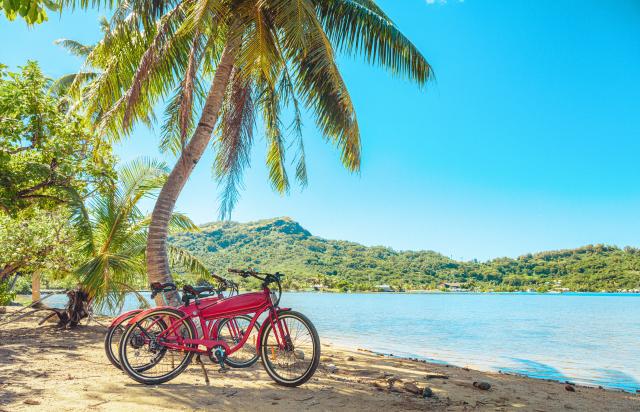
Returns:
(258, 275)
(266, 278)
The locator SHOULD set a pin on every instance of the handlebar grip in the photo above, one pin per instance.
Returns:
(190, 289)
(240, 272)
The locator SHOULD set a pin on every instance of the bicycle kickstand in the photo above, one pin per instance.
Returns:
(204, 370)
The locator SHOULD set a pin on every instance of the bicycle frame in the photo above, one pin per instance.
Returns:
(118, 320)
(209, 312)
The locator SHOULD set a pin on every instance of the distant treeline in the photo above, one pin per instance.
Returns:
(283, 245)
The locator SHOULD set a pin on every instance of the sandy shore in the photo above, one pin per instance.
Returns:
(42, 368)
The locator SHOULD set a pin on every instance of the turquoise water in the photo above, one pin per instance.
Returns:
(588, 338)
(591, 339)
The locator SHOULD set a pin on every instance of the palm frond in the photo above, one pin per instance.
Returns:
(188, 85)
(360, 26)
(182, 258)
(149, 59)
(69, 83)
(140, 177)
(182, 223)
(275, 141)
(74, 47)
(319, 82)
(234, 143)
(288, 95)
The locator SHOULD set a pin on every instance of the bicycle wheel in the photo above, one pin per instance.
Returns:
(297, 362)
(231, 331)
(112, 339)
(144, 355)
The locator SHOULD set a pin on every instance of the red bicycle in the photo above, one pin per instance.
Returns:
(228, 329)
(159, 344)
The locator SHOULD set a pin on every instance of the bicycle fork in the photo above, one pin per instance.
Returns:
(281, 331)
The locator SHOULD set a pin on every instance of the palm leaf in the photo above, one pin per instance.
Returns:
(234, 143)
(181, 257)
(360, 26)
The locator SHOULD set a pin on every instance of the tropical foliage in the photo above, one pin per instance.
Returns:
(48, 153)
(282, 244)
(6, 294)
(32, 11)
(112, 232)
(36, 240)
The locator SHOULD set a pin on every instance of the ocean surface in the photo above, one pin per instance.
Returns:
(586, 338)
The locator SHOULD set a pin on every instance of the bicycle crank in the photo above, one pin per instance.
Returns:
(218, 356)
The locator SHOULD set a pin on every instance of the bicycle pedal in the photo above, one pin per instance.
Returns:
(223, 370)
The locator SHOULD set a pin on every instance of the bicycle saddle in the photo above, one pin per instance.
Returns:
(192, 292)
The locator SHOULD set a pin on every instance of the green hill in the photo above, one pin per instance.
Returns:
(282, 244)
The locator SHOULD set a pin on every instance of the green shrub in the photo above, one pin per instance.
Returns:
(23, 286)
(6, 296)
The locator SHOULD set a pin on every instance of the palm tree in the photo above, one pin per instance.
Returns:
(261, 57)
(112, 234)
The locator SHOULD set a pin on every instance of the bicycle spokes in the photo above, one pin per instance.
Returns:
(290, 349)
(232, 332)
(146, 347)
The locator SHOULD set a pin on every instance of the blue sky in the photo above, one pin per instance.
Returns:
(527, 140)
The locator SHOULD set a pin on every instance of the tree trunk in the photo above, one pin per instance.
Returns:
(35, 286)
(157, 260)
(13, 282)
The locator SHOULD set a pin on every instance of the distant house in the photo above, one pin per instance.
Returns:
(318, 287)
(452, 287)
(384, 288)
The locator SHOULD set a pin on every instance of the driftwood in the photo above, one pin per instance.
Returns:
(77, 308)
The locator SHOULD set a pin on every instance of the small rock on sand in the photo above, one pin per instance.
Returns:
(331, 368)
(569, 388)
(427, 392)
(435, 376)
(412, 387)
(392, 379)
(379, 386)
(350, 358)
(484, 386)
(3, 309)
(31, 402)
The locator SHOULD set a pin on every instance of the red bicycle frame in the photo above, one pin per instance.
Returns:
(209, 312)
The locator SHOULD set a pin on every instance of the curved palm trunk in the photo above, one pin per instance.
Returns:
(157, 260)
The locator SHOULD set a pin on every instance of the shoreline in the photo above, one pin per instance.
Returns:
(411, 292)
(500, 372)
(43, 368)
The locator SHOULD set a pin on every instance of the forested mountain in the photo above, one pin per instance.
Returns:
(282, 244)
